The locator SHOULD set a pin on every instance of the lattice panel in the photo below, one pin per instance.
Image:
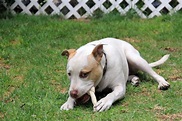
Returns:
(84, 8)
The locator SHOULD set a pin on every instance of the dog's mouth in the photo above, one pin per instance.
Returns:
(83, 99)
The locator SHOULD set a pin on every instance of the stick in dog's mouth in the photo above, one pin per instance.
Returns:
(91, 92)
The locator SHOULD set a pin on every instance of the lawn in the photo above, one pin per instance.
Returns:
(33, 81)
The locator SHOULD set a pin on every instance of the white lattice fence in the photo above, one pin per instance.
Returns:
(85, 8)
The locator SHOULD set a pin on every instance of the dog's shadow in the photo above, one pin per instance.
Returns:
(99, 95)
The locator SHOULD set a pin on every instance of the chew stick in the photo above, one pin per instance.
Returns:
(92, 95)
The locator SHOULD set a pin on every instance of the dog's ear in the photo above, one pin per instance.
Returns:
(69, 53)
(98, 52)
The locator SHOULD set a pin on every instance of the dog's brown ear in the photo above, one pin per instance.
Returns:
(98, 52)
(69, 53)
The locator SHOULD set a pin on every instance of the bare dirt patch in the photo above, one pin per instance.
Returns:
(171, 117)
(159, 71)
(166, 117)
(175, 75)
(158, 109)
(145, 92)
(2, 115)
(15, 42)
(131, 40)
(3, 64)
(58, 87)
(18, 80)
(175, 78)
(8, 92)
(171, 49)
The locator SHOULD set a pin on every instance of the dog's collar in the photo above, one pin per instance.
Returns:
(105, 66)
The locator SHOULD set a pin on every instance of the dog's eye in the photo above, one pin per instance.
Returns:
(84, 74)
(69, 74)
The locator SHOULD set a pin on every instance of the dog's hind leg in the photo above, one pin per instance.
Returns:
(135, 81)
(136, 61)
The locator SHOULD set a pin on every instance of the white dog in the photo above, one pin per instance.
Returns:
(106, 63)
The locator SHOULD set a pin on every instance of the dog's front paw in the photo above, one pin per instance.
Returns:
(163, 85)
(67, 106)
(102, 105)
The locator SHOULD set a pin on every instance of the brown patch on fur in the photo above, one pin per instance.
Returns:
(94, 68)
(98, 52)
(69, 53)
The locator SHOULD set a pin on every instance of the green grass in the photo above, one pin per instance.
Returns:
(33, 81)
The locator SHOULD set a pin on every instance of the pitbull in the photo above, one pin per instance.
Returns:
(106, 63)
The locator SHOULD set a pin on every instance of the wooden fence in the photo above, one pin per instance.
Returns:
(84, 8)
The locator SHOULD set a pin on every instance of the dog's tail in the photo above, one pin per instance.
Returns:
(159, 62)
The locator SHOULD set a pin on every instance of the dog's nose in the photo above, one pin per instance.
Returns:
(74, 93)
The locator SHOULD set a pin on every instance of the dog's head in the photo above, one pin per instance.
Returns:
(83, 69)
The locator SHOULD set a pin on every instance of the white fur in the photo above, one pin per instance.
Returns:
(121, 56)
(159, 62)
